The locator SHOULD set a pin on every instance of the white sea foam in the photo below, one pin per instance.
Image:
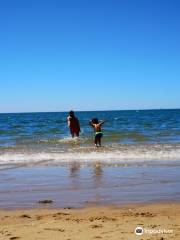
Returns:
(124, 155)
(70, 140)
(65, 140)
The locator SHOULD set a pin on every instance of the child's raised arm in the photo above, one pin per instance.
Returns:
(102, 122)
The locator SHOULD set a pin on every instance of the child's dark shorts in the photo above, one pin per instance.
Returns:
(98, 135)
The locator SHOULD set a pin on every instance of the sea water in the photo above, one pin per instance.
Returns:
(129, 137)
(138, 163)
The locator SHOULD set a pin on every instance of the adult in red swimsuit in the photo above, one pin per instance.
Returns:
(73, 124)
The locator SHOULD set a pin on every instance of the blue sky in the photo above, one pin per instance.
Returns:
(89, 55)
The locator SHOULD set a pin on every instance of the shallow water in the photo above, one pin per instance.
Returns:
(129, 137)
(76, 186)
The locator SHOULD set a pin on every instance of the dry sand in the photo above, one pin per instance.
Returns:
(108, 222)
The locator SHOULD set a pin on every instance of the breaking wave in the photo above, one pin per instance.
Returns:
(115, 154)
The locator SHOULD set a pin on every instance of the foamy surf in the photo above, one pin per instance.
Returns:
(65, 140)
(122, 154)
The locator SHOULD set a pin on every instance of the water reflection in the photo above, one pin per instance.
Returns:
(74, 169)
(97, 174)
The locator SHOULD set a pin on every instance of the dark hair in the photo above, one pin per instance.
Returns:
(71, 113)
(95, 121)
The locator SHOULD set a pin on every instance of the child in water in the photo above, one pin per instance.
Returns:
(73, 124)
(96, 124)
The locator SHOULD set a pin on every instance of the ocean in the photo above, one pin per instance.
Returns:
(139, 161)
(130, 137)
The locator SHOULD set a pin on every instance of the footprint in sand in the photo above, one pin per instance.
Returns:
(96, 226)
(25, 216)
(55, 229)
(5, 232)
(60, 214)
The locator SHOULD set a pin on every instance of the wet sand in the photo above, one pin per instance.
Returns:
(76, 185)
(90, 202)
(105, 222)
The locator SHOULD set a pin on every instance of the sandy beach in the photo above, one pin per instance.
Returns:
(159, 221)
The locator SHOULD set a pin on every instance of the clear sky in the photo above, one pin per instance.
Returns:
(89, 54)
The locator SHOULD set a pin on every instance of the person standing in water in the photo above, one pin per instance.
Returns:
(73, 124)
(96, 124)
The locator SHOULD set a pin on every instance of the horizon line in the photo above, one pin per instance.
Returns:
(112, 110)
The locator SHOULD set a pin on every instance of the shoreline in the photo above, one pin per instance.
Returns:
(78, 186)
(87, 205)
(159, 221)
